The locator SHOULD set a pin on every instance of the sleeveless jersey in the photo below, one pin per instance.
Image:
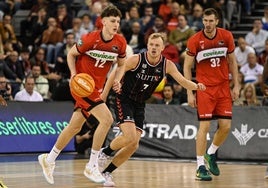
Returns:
(97, 55)
(210, 56)
(139, 84)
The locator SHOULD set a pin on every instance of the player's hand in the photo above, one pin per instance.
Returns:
(235, 92)
(116, 86)
(191, 100)
(3, 102)
(201, 87)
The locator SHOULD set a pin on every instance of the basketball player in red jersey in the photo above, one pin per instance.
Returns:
(144, 72)
(212, 51)
(93, 54)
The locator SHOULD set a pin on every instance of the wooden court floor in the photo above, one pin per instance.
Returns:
(136, 173)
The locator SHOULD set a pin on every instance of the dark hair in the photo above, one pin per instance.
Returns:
(111, 11)
(211, 11)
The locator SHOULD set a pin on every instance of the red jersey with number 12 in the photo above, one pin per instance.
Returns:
(97, 55)
(210, 56)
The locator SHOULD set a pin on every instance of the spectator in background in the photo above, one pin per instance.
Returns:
(76, 29)
(242, 51)
(26, 26)
(8, 47)
(195, 20)
(248, 97)
(62, 69)
(39, 24)
(168, 95)
(264, 19)
(52, 39)
(7, 72)
(63, 17)
(172, 18)
(256, 38)
(165, 9)
(132, 16)
(135, 38)
(7, 31)
(247, 6)
(263, 57)
(83, 140)
(179, 93)
(181, 34)
(187, 7)
(28, 94)
(87, 23)
(5, 88)
(15, 66)
(96, 12)
(41, 83)
(147, 21)
(170, 51)
(264, 87)
(24, 59)
(252, 70)
(39, 59)
(61, 66)
(158, 27)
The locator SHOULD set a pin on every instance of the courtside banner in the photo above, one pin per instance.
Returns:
(248, 139)
(33, 126)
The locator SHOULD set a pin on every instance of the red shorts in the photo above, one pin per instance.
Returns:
(87, 103)
(215, 102)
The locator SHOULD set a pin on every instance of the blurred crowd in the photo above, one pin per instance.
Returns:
(33, 59)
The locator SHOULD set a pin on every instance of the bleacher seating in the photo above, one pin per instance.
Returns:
(17, 18)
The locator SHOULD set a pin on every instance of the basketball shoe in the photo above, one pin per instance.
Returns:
(102, 160)
(94, 174)
(266, 175)
(212, 165)
(108, 180)
(2, 185)
(202, 174)
(48, 168)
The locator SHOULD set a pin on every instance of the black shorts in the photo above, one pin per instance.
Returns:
(127, 110)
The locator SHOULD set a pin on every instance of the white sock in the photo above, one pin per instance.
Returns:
(93, 160)
(54, 153)
(200, 161)
(212, 149)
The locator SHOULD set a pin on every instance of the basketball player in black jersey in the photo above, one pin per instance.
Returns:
(143, 73)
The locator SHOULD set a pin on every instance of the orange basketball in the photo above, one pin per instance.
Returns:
(82, 85)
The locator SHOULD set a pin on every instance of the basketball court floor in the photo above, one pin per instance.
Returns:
(23, 171)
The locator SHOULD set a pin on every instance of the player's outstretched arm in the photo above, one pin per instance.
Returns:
(188, 84)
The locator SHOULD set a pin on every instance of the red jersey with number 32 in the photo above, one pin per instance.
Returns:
(210, 56)
(97, 55)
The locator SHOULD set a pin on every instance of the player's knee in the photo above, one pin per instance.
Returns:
(74, 128)
(107, 120)
(134, 146)
(225, 129)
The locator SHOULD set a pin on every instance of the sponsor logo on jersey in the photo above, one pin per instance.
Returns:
(115, 48)
(221, 43)
(146, 77)
(211, 53)
(102, 55)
